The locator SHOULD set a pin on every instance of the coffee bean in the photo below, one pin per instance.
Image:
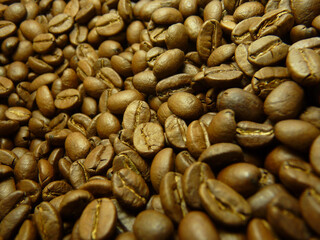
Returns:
(195, 225)
(192, 178)
(174, 205)
(309, 205)
(130, 189)
(300, 69)
(99, 159)
(109, 24)
(289, 131)
(48, 221)
(148, 139)
(260, 229)
(144, 226)
(223, 203)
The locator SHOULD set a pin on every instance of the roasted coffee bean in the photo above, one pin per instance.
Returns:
(297, 177)
(276, 22)
(55, 189)
(67, 99)
(125, 218)
(13, 220)
(267, 79)
(168, 63)
(245, 105)
(193, 177)
(300, 68)
(176, 131)
(162, 163)
(109, 24)
(245, 178)
(222, 127)
(27, 230)
(197, 225)
(130, 189)
(137, 112)
(209, 38)
(99, 159)
(224, 204)
(131, 159)
(98, 187)
(73, 203)
(267, 50)
(148, 139)
(310, 207)
(48, 221)
(292, 225)
(176, 83)
(260, 200)
(144, 226)
(183, 160)
(77, 146)
(290, 131)
(31, 188)
(260, 229)
(197, 138)
(254, 135)
(172, 197)
(221, 154)
(78, 174)
(185, 105)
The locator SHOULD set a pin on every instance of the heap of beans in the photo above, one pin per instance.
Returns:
(160, 120)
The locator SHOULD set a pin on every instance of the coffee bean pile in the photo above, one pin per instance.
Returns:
(160, 120)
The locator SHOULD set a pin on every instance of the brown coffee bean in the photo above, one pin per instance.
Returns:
(197, 138)
(183, 161)
(109, 24)
(241, 56)
(67, 99)
(6, 86)
(162, 163)
(296, 134)
(245, 105)
(26, 167)
(45, 101)
(132, 160)
(311, 115)
(11, 223)
(99, 160)
(44, 43)
(176, 131)
(254, 135)
(224, 204)
(299, 8)
(222, 127)
(145, 224)
(192, 178)
(209, 38)
(73, 203)
(31, 188)
(260, 229)
(247, 10)
(174, 205)
(61, 23)
(260, 200)
(77, 146)
(19, 114)
(300, 69)
(55, 189)
(221, 154)
(130, 189)
(107, 123)
(148, 139)
(281, 22)
(310, 208)
(7, 28)
(242, 177)
(267, 50)
(27, 230)
(292, 225)
(297, 177)
(78, 174)
(168, 63)
(48, 221)
(137, 112)
(197, 225)
(185, 105)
